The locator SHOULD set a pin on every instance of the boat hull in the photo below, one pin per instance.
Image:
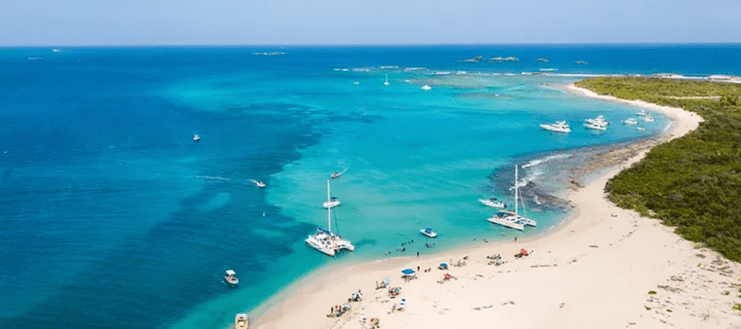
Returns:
(506, 223)
(492, 204)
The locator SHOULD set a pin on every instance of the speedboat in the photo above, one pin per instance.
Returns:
(426, 87)
(493, 202)
(333, 202)
(648, 118)
(641, 128)
(241, 321)
(595, 126)
(428, 232)
(260, 184)
(630, 121)
(559, 127)
(196, 138)
(230, 277)
(336, 175)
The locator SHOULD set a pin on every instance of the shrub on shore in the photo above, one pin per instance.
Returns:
(694, 182)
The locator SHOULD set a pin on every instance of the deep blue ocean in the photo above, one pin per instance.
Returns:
(111, 216)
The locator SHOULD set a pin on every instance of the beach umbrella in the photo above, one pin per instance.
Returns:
(386, 280)
(407, 272)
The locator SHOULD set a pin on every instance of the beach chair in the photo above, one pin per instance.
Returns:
(402, 304)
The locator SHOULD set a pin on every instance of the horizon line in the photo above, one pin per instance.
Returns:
(369, 44)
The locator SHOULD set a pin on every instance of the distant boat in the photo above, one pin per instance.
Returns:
(600, 120)
(356, 83)
(55, 50)
(241, 321)
(196, 138)
(559, 127)
(493, 202)
(595, 126)
(642, 112)
(325, 241)
(257, 183)
(386, 83)
(333, 202)
(648, 118)
(426, 87)
(581, 62)
(231, 277)
(542, 60)
(630, 121)
(428, 232)
(641, 128)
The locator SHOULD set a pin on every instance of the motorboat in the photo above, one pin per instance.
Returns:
(595, 126)
(512, 219)
(386, 83)
(231, 277)
(259, 184)
(356, 83)
(333, 202)
(559, 127)
(641, 128)
(241, 321)
(428, 232)
(325, 241)
(642, 112)
(648, 118)
(196, 138)
(600, 120)
(630, 121)
(493, 202)
(336, 175)
(426, 87)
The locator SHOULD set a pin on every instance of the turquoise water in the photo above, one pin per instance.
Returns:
(130, 224)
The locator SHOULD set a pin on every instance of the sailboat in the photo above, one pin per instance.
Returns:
(512, 220)
(325, 241)
(386, 83)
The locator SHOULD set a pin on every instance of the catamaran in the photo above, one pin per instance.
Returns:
(559, 127)
(513, 220)
(325, 241)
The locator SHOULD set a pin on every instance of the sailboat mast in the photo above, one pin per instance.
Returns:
(329, 213)
(516, 188)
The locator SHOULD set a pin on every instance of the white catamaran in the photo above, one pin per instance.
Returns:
(324, 240)
(512, 220)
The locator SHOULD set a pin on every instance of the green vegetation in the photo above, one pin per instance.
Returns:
(647, 308)
(727, 293)
(694, 182)
(737, 307)
(651, 292)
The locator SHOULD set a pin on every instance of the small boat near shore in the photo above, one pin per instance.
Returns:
(241, 321)
(559, 127)
(642, 112)
(428, 232)
(231, 277)
(600, 120)
(493, 202)
(648, 118)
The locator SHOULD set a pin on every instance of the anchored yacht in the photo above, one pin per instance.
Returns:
(559, 127)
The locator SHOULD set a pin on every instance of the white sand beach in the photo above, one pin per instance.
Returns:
(595, 271)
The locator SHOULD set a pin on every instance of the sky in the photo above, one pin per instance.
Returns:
(293, 22)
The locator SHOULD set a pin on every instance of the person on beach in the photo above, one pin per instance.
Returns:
(515, 238)
(417, 253)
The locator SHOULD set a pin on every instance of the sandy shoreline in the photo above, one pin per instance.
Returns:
(594, 271)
